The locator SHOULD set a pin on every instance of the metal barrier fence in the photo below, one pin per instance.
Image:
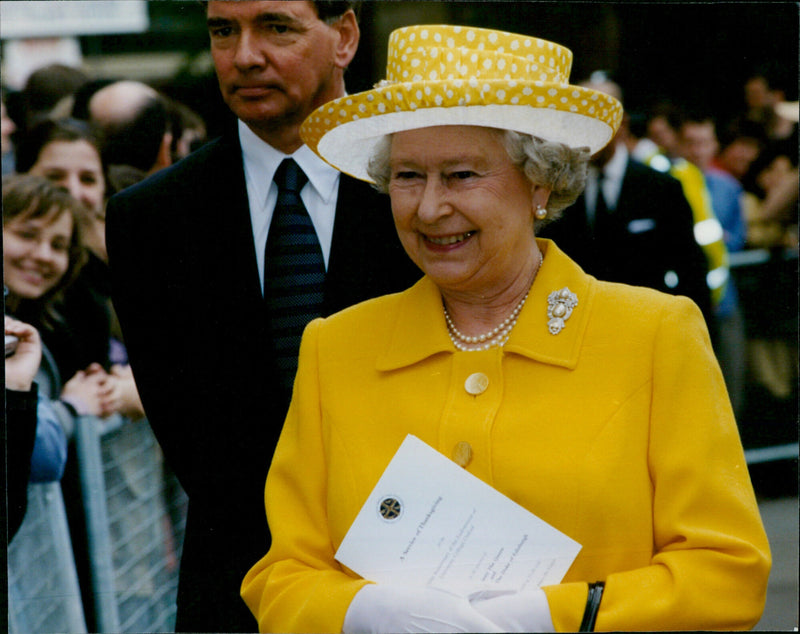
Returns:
(43, 591)
(134, 512)
(135, 516)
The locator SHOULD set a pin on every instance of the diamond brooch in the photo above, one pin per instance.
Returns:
(559, 307)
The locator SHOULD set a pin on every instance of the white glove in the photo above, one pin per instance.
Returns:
(526, 611)
(380, 608)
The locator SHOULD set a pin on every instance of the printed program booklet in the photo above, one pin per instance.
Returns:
(429, 522)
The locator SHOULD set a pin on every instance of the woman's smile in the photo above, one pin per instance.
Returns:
(448, 240)
(29, 279)
(33, 274)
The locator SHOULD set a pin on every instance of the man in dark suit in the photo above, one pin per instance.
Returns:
(187, 256)
(634, 225)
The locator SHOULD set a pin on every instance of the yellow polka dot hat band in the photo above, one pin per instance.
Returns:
(451, 75)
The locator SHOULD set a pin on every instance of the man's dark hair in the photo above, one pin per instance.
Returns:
(136, 142)
(742, 128)
(46, 86)
(697, 114)
(84, 94)
(637, 123)
(672, 113)
(327, 10)
(331, 10)
(48, 131)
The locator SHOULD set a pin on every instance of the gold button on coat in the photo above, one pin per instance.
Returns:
(476, 383)
(462, 453)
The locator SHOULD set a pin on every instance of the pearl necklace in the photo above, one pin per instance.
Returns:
(497, 336)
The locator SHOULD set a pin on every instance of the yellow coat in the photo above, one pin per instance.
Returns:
(617, 431)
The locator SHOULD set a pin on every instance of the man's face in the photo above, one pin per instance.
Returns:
(699, 143)
(662, 134)
(277, 61)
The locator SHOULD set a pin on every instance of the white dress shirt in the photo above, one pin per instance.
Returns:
(613, 173)
(319, 195)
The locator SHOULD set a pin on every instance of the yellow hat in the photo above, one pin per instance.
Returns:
(453, 75)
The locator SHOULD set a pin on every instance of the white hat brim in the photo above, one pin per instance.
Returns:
(350, 145)
(345, 131)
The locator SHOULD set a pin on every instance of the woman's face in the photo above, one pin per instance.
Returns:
(463, 211)
(36, 253)
(76, 166)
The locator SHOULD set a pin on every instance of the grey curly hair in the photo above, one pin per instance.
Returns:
(559, 168)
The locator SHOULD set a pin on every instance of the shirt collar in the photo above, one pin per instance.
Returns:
(614, 170)
(421, 332)
(263, 160)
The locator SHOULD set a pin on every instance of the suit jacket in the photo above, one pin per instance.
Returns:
(186, 289)
(648, 236)
(617, 431)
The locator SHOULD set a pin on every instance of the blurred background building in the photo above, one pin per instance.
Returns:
(698, 51)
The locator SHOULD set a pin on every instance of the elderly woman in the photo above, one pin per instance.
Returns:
(598, 407)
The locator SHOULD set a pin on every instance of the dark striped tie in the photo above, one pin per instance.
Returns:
(294, 270)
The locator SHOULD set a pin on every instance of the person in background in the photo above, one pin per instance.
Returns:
(741, 143)
(772, 188)
(771, 207)
(699, 145)
(35, 445)
(599, 407)
(135, 124)
(46, 92)
(188, 130)
(771, 198)
(42, 256)
(202, 281)
(663, 127)
(68, 153)
(633, 133)
(762, 94)
(633, 224)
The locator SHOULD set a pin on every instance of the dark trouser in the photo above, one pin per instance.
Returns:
(214, 562)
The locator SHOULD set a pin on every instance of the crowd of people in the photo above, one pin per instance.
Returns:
(59, 172)
(73, 145)
(167, 308)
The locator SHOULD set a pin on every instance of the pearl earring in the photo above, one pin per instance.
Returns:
(541, 212)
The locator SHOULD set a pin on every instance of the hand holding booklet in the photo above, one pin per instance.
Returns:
(428, 522)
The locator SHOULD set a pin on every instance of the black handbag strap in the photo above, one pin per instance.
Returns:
(592, 606)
